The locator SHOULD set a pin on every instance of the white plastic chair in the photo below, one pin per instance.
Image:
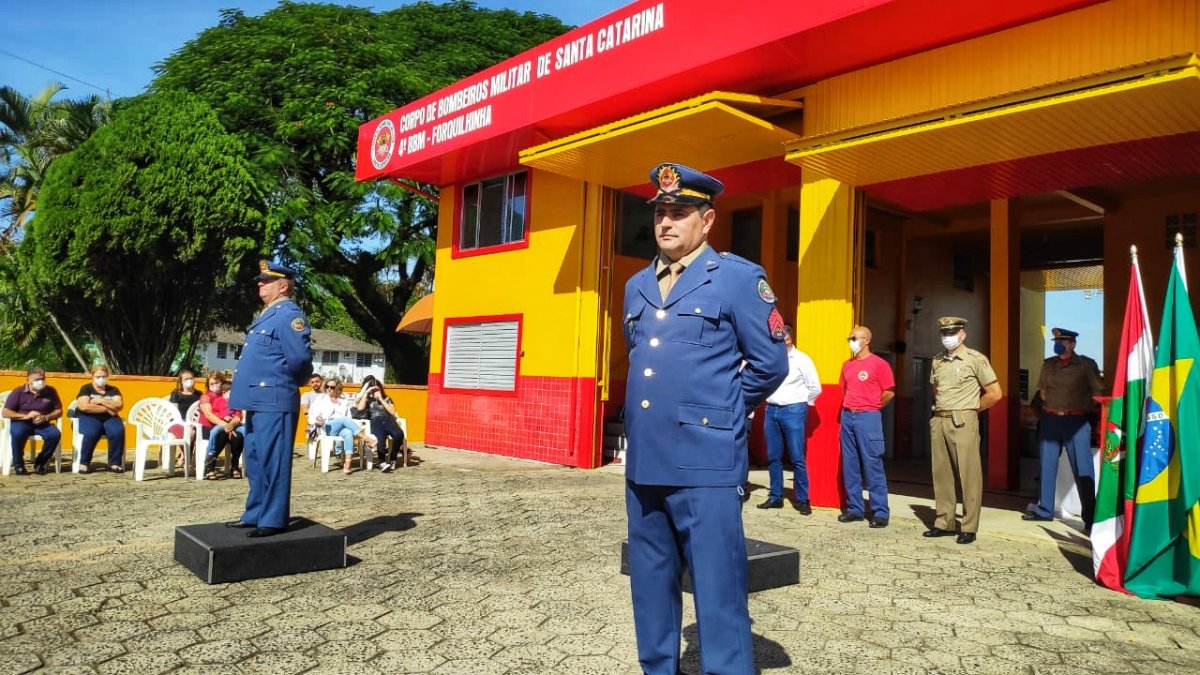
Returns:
(403, 424)
(201, 449)
(152, 419)
(326, 444)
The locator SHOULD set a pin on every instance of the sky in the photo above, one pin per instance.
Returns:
(100, 46)
(1082, 312)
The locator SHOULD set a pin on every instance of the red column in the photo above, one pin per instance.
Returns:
(1004, 438)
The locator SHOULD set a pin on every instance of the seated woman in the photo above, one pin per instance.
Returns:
(184, 395)
(331, 412)
(219, 425)
(96, 411)
(374, 405)
(32, 410)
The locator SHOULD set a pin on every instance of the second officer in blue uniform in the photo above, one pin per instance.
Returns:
(275, 362)
(705, 348)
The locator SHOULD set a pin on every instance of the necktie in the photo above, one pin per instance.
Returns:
(674, 270)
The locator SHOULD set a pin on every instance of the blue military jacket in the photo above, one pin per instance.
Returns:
(276, 360)
(688, 396)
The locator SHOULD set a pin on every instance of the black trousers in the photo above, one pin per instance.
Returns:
(390, 436)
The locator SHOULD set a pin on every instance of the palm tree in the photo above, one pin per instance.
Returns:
(33, 132)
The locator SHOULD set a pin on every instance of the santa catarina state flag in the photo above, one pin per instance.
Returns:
(1116, 484)
(1164, 546)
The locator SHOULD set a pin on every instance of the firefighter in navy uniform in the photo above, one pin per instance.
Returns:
(705, 348)
(276, 360)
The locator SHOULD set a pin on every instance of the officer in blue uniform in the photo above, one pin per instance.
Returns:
(705, 348)
(276, 360)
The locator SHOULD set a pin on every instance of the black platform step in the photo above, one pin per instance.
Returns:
(219, 554)
(771, 565)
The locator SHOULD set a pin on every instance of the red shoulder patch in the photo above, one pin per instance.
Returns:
(775, 324)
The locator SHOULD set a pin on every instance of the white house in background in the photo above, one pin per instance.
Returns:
(334, 354)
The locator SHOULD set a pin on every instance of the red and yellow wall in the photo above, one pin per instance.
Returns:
(550, 287)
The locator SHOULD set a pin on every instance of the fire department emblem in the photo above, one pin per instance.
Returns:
(764, 292)
(863, 375)
(668, 179)
(383, 144)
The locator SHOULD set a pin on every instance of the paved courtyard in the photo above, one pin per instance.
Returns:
(469, 564)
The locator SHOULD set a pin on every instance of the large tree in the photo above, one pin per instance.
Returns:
(295, 84)
(146, 234)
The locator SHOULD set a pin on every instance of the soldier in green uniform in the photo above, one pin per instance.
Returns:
(963, 385)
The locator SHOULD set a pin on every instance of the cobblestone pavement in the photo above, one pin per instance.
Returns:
(469, 564)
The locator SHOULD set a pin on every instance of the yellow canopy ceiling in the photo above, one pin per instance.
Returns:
(709, 132)
(1146, 105)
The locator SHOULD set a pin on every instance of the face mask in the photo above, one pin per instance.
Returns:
(37, 385)
(187, 384)
(855, 347)
(950, 342)
(1059, 348)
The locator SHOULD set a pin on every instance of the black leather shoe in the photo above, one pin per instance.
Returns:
(771, 504)
(847, 518)
(965, 538)
(264, 532)
(879, 522)
(804, 507)
(39, 469)
(20, 470)
(937, 532)
(240, 524)
(1030, 515)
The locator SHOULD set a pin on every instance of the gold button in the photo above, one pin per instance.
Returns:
(704, 421)
(653, 342)
(662, 314)
(697, 310)
(645, 404)
(648, 372)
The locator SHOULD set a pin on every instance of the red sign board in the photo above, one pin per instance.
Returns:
(648, 54)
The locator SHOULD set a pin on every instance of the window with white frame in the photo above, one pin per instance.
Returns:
(482, 355)
(493, 212)
(329, 358)
(362, 360)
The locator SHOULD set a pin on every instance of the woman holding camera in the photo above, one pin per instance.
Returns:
(374, 405)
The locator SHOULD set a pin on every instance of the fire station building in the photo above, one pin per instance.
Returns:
(886, 161)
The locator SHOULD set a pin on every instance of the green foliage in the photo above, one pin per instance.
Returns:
(145, 231)
(295, 84)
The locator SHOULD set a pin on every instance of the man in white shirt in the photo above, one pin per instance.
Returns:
(787, 413)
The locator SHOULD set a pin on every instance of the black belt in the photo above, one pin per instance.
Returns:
(950, 413)
(858, 412)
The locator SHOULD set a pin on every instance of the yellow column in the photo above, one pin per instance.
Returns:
(825, 313)
(1004, 438)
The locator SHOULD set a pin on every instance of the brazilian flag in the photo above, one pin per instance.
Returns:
(1164, 547)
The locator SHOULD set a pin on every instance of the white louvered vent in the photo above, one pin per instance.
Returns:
(482, 356)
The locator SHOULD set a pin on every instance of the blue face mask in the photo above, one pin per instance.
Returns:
(1059, 347)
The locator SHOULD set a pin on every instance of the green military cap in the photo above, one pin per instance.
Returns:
(951, 324)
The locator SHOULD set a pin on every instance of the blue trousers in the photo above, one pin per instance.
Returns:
(92, 429)
(862, 458)
(1072, 434)
(269, 440)
(784, 425)
(21, 430)
(344, 428)
(702, 528)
